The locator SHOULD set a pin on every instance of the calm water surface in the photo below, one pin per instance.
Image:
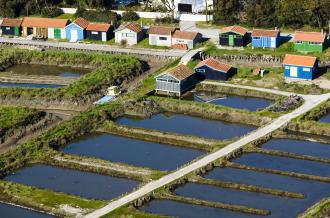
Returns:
(299, 147)
(189, 125)
(9, 211)
(325, 119)
(89, 185)
(132, 151)
(30, 85)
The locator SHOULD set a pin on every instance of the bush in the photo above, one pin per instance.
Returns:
(167, 19)
(103, 16)
(130, 16)
(51, 12)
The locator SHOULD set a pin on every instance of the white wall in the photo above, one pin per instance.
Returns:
(120, 35)
(167, 42)
(69, 10)
(51, 33)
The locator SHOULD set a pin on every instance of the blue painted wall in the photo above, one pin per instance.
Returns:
(265, 42)
(301, 73)
(73, 26)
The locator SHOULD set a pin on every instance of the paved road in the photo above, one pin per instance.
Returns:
(211, 33)
(172, 53)
(310, 102)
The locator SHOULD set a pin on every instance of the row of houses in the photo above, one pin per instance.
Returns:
(81, 29)
(181, 78)
(237, 36)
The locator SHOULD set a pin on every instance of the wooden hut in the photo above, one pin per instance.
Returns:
(309, 41)
(265, 38)
(233, 36)
(11, 27)
(300, 67)
(214, 70)
(76, 31)
(175, 81)
(99, 31)
(132, 33)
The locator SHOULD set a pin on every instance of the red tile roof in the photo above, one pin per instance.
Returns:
(180, 46)
(215, 64)
(185, 35)
(83, 23)
(159, 30)
(235, 29)
(264, 33)
(299, 60)
(101, 27)
(134, 27)
(11, 22)
(181, 72)
(44, 22)
(309, 36)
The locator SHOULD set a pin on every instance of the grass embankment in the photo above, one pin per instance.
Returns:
(210, 111)
(127, 212)
(320, 210)
(161, 137)
(11, 116)
(46, 200)
(307, 123)
(110, 70)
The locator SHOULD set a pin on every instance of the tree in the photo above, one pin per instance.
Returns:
(169, 5)
(226, 11)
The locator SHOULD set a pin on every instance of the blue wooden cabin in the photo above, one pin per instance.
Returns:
(300, 67)
(76, 31)
(265, 38)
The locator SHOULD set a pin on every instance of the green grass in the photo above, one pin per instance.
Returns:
(125, 212)
(12, 115)
(319, 210)
(67, 16)
(109, 42)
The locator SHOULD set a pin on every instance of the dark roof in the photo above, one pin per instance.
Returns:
(44, 22)
(236, 29)
(11, 22)
(185, 35)
(300, 60)
(101, 27)
(159, 30)
(265, 33)
(215, 64)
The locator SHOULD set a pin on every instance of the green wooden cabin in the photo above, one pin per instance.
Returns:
(309, 41)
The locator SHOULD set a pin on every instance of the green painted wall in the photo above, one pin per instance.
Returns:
(306, 47)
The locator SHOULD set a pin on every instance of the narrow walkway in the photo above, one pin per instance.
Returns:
(189, 55)
(309, 104)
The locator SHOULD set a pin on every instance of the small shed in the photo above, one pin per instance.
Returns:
(51, 28)
(176, 80)
(187, 39)
(309, 41)
(132, 33)
(265, 38)
(300, 67)
(76, 31)
(234, 36)
(160, 36)
(99, 31)
(214, 70)
(11, 26)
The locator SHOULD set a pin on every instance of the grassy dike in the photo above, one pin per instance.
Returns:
(319, 210)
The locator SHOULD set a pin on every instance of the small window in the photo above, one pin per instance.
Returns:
(199, 70)
(256, 37)
(298, 42)
(129, 34)
(7, 28)
(305, 69)
(238, 36)
(224, 36)
(162, 38)
(95, 33)
(287, 67)
(314, 43)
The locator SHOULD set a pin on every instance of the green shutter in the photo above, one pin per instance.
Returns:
(16, 31)
(231, 40)
(57, 33)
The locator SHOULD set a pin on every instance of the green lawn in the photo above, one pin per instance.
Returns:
(67, 16)
(12, 115)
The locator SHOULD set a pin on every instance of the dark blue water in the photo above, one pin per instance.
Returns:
(285, 164)
(132, 151)
(9, 211)
(325, 119)
(30, 85)
(299, 147)
(240, 102)
(189, 125)
(182, 210)
(279, 206)
(89, 185)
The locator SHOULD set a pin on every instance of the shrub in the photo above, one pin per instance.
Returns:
(130, 16)
(166, 19)
(103, 16)
(51, 12)
(123, 43)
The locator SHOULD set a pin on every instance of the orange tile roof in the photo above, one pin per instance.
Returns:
(181, 72)
(102, 27)
(83, 23)
(309, 36)
(134, 27)
(159, 30)
(264, 33)
(44, 22)
(235, 29)
(215, 64)
(185, 35)
(299, 60)
(11, 22)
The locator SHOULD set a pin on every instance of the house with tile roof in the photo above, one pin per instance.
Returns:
(51, 28)
(265, 38)
(76, 31)
(161, 36)
(185, 40)
(131, 33)
(212, 69)
(11, 27)
(99, 31)
(233, 36)
(300, 67)
(309, 41)
(175, 81)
